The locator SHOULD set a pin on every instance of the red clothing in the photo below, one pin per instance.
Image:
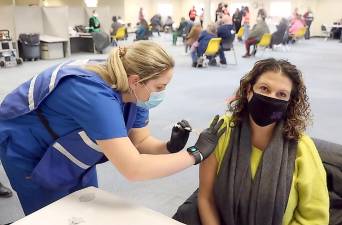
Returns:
(192, 13)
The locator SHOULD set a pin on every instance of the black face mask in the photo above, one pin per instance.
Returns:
(266, 110)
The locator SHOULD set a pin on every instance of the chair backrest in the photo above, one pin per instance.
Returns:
(240, 32)
(300, 33)
(227, 44)
(323, 27)
(265, 40)
(120, 33)
(213, 46)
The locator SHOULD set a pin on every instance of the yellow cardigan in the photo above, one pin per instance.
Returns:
(308, 202)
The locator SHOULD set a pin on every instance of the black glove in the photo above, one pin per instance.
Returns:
(179, 136)
(208, 138)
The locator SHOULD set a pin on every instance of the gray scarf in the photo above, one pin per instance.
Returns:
(241, 200)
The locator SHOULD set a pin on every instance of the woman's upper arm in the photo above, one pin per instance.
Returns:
(313, 196)
(207, 176)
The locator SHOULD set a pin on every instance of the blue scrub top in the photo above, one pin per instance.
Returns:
(76, 103)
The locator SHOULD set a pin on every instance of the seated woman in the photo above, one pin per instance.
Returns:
(201, 46)
(265, 170)
(296, 24)
(256, 33)
(279, 36)
(168, 24)
(142, 30)
(180, 31)
(226, 30)
(115, 26)
(193, 35)
(156, 23)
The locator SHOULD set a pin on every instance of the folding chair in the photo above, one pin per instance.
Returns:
(240, 33)
(299, 34)
(264, 42)
(325, 32)
(212, 50)
(120, 34)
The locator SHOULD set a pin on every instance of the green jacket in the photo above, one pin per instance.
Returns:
(258, 30)
(94, 24)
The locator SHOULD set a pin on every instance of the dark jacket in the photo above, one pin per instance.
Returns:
(225, 31)
(203, 41)
(278, 35)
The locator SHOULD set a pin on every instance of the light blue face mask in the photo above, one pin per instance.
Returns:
(155, 99)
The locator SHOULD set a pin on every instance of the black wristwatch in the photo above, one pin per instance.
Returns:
(194, 151)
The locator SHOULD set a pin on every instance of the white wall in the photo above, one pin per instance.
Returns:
(6, 2)
(28, 19)
(7, 19)
(77, 16)
(326, 12)
(132, 7)
(55, 21)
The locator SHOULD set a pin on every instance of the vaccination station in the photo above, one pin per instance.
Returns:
(170, 112)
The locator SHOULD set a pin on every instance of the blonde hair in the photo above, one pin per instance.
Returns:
(143, 58)
(211, 28)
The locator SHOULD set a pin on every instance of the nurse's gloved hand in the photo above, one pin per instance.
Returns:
(179, 136)
(209, 137)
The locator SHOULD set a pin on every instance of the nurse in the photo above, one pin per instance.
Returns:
(57, 126)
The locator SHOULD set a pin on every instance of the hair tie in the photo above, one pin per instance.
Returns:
(122, 51)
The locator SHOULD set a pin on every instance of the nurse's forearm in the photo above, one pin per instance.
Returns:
(153, 146)
(157, 166)
(135, 166)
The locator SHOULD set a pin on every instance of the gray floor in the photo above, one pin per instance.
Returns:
(197, 95)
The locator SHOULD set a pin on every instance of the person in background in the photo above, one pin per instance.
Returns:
(203, 40)
(156, 23)
(120, 20)
(308, 18)
(168, 24)
(296, 24)
(142, 30)
(141, 14)
(192, 14)
(201, 17)
(278, 37)
(256, 33)
(225, 10)
(94, 23)
(237, 18)
(180, 31)
(218, 12)
(226, 30)
(246, 22)
(193, 35)
(115, 25)
(295, 14)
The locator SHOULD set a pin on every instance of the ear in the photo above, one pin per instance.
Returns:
(133, 80)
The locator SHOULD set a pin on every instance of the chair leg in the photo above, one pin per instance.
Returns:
(235, 59)
(263, 51)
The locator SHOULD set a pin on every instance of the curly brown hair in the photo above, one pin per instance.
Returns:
(298, 114)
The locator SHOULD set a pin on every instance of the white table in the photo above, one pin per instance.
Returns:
(92, 206)
(53, 47)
